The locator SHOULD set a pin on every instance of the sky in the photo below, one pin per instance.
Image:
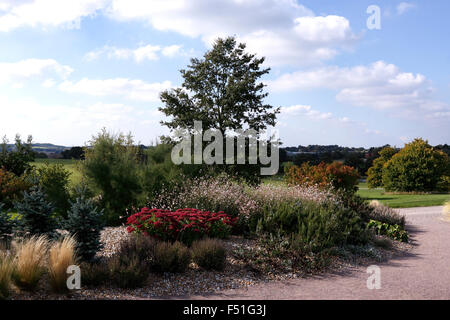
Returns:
(69, 68)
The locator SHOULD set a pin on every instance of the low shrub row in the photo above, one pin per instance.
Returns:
(141, 255)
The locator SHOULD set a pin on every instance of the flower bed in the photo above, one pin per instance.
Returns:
(186, 225)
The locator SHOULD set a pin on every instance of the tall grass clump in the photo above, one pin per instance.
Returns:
(446, 211)
(385, 214)
(62, 254)
(6, 272)
(30, 259)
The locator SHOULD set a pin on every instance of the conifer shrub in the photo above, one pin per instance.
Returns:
(7, 225)
(84, 222)
(36, 213)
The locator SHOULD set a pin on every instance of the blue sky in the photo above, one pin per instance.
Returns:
(69, 68)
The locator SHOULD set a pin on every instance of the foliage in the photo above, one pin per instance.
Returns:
(11, 187)
(158, 172)
(315, 225)
(94, 273)
(6, 272)
(84, 222)
(62, 254)
(73, 153)
(128, 271)
(185, 225)
(54, 180)
(36, 213)
(385, 214)
(375, 173)
(111, 167)
(335, 174)
(7, 225)
(141, 246)
(209, 254)
(395, 231)
(221, 90)
(171, 257)
(30, 258)
(417, 167)
(17, 160)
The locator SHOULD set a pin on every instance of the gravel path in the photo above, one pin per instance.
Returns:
(422, 273)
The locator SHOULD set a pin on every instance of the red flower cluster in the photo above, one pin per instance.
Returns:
(185, 225)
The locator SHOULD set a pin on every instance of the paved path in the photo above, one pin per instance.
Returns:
(423, 273)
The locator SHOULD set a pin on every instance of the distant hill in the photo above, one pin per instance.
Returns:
(45, 148)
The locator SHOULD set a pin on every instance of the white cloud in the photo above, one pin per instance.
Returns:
(46, 13)
(379, 85)
(404, 7)
(305, 111)
(282, 30)
(74, 125)
(130, 89)
(16, 72)
(147, 52)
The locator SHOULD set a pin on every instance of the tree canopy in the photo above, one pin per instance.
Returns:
(222, 90)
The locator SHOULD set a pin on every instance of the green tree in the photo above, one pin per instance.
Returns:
(17, 158)
(111, 168)
(221, 90)
(417, 167)
(375, 173)
(54, 179)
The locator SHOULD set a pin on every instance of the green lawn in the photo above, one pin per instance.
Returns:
(391, 200)
(70, 165)
(402, 200)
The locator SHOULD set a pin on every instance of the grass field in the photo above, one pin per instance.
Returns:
(70, 165)
(391, 200)
(402, 200)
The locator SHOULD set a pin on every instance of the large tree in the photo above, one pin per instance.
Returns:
(222, 90)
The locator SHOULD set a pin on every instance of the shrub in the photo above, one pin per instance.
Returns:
(185, 225)
(17, 159)
(30, 256)
(128, 271)
(6, 271)
(395, 231)
(209, 254)
(324, 175)
(62, 254)
(84, 222)
(36, 213)
(54, 180)
(7, 225)
(141, 246)
(11, 187)
(94, 273)
(111, 166)
(171, 257)
(316, 225)
(158, 172)
(417, 167)
(387, 215)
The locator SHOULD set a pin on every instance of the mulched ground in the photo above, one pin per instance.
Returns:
(195, 281)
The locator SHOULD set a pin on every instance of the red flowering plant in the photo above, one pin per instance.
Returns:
(186, 225)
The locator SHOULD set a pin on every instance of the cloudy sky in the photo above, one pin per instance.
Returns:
(69, 68)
